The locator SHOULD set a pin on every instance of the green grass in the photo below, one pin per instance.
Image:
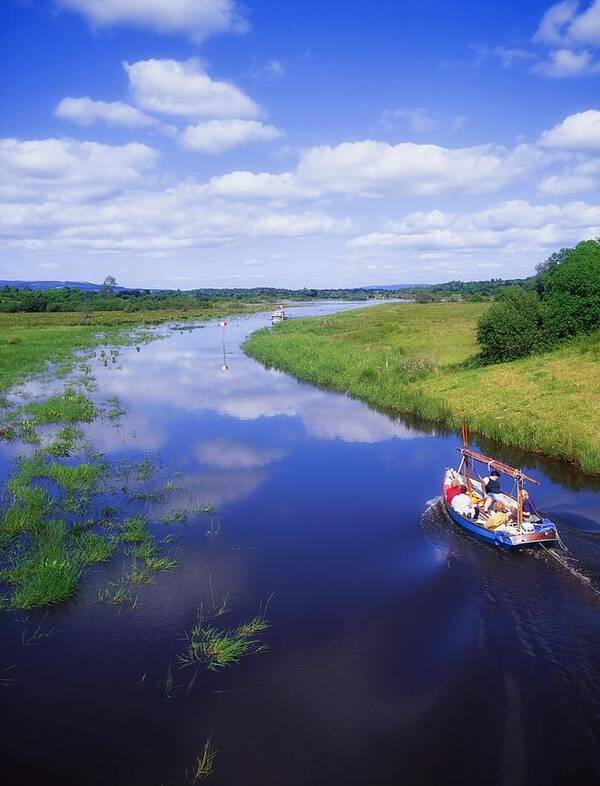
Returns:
(219, 648)
(91, 548)
(65, 441)
(134, 530)
(48, 574)
(68, 407)
(419, 360)
(205, 763)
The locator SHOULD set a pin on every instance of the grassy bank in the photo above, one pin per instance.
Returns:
(28, 341)
(417, 359)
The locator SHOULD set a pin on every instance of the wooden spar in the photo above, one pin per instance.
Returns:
(465, 439)
(499, 465)
(520, 502)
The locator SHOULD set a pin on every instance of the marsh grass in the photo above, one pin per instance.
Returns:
(47, 575)
(68, 407)
(219, 648)
(65, 442)
(157, 564)
(134, 529)
(421, 360)
(118, 593)
(90, 547)
(175, 517)
(205, 763)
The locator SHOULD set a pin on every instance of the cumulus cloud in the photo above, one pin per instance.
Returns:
(216, 136)
(185, 216)
(184, 89)
(67, 169)
(262, 185)
(555, 21)
(565, 63)
(85, 111)
(579, 132)
(195, 18)
(373, 168)
(510, 225)
(567, 29)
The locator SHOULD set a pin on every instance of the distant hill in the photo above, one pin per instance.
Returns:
(85, 285)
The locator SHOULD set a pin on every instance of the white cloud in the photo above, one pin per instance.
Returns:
(567, 30)
(261, 185)
(215, 136)
(567, 63)
(579, 132)
(185, 216)
(195, 18)
(184, 89)
(555, 21)
(586, 26)
(510, 226)
(67, 169)
(557, 185)
(373, 168)
(86, 112)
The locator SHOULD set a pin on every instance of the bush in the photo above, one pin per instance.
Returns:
(571, 291)
(512, 326)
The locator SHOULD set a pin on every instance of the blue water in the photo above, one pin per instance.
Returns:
(400, 650)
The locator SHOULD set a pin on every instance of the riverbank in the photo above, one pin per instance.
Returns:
(30, 340)
(417, 359)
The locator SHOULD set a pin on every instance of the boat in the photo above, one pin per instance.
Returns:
(278, 315)
(520, 531)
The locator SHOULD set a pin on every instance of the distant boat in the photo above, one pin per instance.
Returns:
(521, 530)
(278, 315)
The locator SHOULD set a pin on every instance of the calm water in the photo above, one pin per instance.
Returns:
(400, 650)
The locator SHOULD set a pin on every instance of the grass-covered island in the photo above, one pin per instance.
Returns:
(422, 360)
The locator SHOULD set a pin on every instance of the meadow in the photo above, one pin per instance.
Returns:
(421, 360)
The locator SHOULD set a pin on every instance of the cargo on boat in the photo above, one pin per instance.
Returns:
(481, 507)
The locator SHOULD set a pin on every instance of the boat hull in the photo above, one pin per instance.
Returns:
(503, 539)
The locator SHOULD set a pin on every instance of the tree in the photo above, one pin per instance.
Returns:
(571, 291)
(511, 327)
(108, 285)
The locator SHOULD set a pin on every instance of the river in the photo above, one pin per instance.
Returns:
(400, 650)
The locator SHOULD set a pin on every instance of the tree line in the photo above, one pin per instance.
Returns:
(564, 302)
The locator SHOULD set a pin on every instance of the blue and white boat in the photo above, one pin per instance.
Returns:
(520, 530)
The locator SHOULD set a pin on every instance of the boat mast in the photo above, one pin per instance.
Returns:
(465, 439)
(520, 501)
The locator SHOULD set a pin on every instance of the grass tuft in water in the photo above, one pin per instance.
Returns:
(90, 548)
(65, 441)
(68, 407)
(48, 574)
(217, 648)
(205, 763)
(134, 530)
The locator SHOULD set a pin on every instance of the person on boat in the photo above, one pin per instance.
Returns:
(530, 512)
(452, 490)
(463, 505)
(498, 517)
(492, 488)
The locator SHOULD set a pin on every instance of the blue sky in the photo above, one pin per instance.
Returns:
(210, 143)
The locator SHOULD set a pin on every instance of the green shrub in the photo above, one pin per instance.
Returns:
(570, 283)
(512, 326)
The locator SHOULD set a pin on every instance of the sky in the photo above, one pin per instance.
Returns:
(317, 143)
